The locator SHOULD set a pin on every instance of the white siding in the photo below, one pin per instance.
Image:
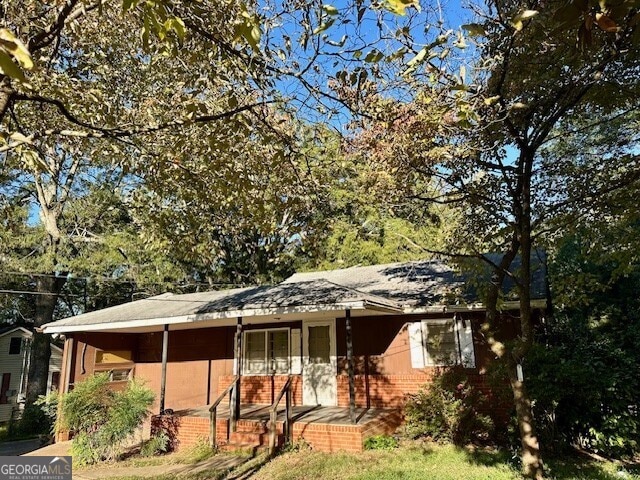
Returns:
(11, 364)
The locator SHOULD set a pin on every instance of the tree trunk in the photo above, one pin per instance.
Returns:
(48, 289)
(532, 466)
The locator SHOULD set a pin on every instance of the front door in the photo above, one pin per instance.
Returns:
(319, 366)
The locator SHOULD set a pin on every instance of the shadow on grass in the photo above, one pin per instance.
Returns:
(248, 469)
(572, 466)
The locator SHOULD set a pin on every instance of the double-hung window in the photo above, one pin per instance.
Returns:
(266, 352)
(439, 339)
(441, 342)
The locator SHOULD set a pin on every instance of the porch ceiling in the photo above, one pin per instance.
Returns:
(284, 302)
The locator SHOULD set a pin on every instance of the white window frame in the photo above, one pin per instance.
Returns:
(418, 343)
(266, 350)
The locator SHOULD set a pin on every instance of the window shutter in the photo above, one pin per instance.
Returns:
(6, 380)
(416, 345)
(296, 351)
(465, 334)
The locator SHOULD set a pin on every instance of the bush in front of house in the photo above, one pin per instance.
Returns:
(380, 442)
(156, 445)
(447, 410)
(102, 419)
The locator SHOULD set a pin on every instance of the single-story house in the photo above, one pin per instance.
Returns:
(344, 347)
(15, 350)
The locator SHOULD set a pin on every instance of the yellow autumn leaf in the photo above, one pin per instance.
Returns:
(11, 44)
(399, 7)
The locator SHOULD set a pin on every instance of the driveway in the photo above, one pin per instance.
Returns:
(20, 447)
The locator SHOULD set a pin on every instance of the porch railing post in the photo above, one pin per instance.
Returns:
(213, 428)
(350, 367)
(288, 431)
(234, 407)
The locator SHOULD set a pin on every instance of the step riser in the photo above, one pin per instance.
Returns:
(249, 437)
(251, 427)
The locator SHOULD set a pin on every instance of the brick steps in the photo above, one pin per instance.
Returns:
(251, 436)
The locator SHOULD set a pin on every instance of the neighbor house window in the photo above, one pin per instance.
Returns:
(15, 345)
(266, 351)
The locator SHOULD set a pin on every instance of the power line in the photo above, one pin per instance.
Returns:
(25, 292)
(107, 279)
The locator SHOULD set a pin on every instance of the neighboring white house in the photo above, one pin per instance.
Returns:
(15, 348)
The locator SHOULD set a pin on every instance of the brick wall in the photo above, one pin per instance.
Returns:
(186, 431)
(262, 389)
(391, 391)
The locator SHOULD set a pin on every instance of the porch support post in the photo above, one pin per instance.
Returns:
(67, 366)
(163, 378)
(350, 368)
(235, 392)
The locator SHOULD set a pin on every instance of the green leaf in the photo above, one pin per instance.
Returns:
(323, 26)
(491, 100)
(330, 9)
(518, 20)
(9, 68)
(127, 4)
(474, 29)
(413, 64)
(178, 27)
(373, 56)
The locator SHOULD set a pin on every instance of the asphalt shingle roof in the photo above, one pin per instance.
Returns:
(312, 293)
(426, 282)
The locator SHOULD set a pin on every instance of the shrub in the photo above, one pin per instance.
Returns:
(101, 418)
(447, 410)
(584, 382)
(380, 442)
(157, 444)
(36, 419)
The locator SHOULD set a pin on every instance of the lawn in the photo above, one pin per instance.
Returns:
(412, 461)
(424, 462)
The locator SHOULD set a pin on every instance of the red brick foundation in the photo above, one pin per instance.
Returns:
(187, 431)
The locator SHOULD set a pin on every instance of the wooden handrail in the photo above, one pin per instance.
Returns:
(273, 429)
(213, 411)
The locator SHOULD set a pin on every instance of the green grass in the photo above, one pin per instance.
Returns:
(425, 462)
(412, 461)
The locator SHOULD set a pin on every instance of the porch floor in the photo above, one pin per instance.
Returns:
(301, 414)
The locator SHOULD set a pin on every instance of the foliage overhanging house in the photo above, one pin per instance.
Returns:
(342, 347)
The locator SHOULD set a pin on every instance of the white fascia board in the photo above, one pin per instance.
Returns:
(472, 307)
(22, 329)
(159, 321)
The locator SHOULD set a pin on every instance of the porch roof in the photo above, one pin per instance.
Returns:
(313, 296)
